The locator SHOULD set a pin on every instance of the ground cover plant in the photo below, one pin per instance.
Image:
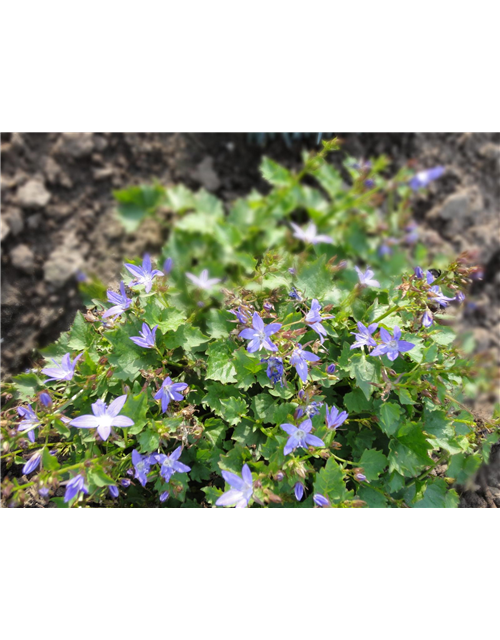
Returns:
(288, 352)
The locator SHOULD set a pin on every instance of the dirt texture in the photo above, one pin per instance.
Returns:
(58, 216)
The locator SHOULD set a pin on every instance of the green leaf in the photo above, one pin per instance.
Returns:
(218, 323)
(49, 463)
(274, 173)
(179, 198)
(437, 496)
(390, 418)
(330, 482)
(187, 337)
(315, 280)
(444, 336)
(220, 365)
(373, 463)
(463, 467)
(81, 335)
(99, 478)
(225, 401)
(404, 395)
(437, 424)
(373, 499)
(136, 409)
(148, 441)
(356, 402)
(27, 384)
(408, 453)
(135, 203)
(365, 373)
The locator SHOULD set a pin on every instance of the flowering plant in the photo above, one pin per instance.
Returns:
(293, 371)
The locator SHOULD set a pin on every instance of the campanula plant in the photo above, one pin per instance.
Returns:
(268, 364)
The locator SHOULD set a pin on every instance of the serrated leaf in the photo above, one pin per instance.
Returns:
(49, 463)
(330, 482)
(81, 335)
(274, 173)
(220, 365)
(437, 496)
(315, 280)
(136, 408)
(373, 463)
(408, 454)
(390, 418)
(99, 478)
(148, 441)
(365, 373)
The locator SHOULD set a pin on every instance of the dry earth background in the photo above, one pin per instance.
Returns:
(58, 218)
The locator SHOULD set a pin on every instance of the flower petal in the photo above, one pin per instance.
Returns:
(233, 480)
(122, 421)
(229, 498)
(85, 422)
(116, 406)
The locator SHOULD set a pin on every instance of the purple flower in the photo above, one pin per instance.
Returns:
(169, 391)
(279, 476)
(369, 183)
(392, 346)
(299, 491)
(423, 178)
(147, 339)
(292, 270)
(104, 417)
(361, 477)
(74, 486)
(203, 282)
(113, 490)
(143, 275)
(436, 295)
(299, 360)
(295, 295)
(170, 464)
(45, 399)
(242, 489)
(427, 318)
(30, 421)
(242, 315)
(309, 235)
(460, 297)
(331, 368)
(44, 492)
(63, 371)
(120, 302)
(366, 278)
(81, 276)
(33, 462)
(259, 334)
(167, 265)
(334, 419)
(164, 496)
(418, 272)
(310, 410)
(384, 250)
(313, 319)
(268, 306)
(320, 500)
(412, 235)
(142, 465)
(300, 436)
(364, 337)
(274, 369)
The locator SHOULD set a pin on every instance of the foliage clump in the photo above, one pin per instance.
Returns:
(288, 352)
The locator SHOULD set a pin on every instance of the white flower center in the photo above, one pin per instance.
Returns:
(393, 344)
(300, 434)
(105, 421)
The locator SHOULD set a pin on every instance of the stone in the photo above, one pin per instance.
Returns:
(34, 221)
(51, 169)
(63, 263)
(23, 258)
(33, 195)
(4, 229)
(205, 174)
(459, 211)
(103, 173)
(60, 210)
(16, 221)
(76, 145)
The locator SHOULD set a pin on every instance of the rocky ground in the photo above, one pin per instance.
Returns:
(57, 215)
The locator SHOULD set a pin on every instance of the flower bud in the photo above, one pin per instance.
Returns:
(113, 490)
(358, 504)
(268, 306)
(164, 496)
(125, 482)
(109, 374)
(279, 476)
(167, 266)
(299, 491)
(45, 399)
(274, 498)
(331, 368)
(103, 360)
(320, 500)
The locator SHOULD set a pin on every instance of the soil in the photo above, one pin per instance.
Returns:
(58, 218)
